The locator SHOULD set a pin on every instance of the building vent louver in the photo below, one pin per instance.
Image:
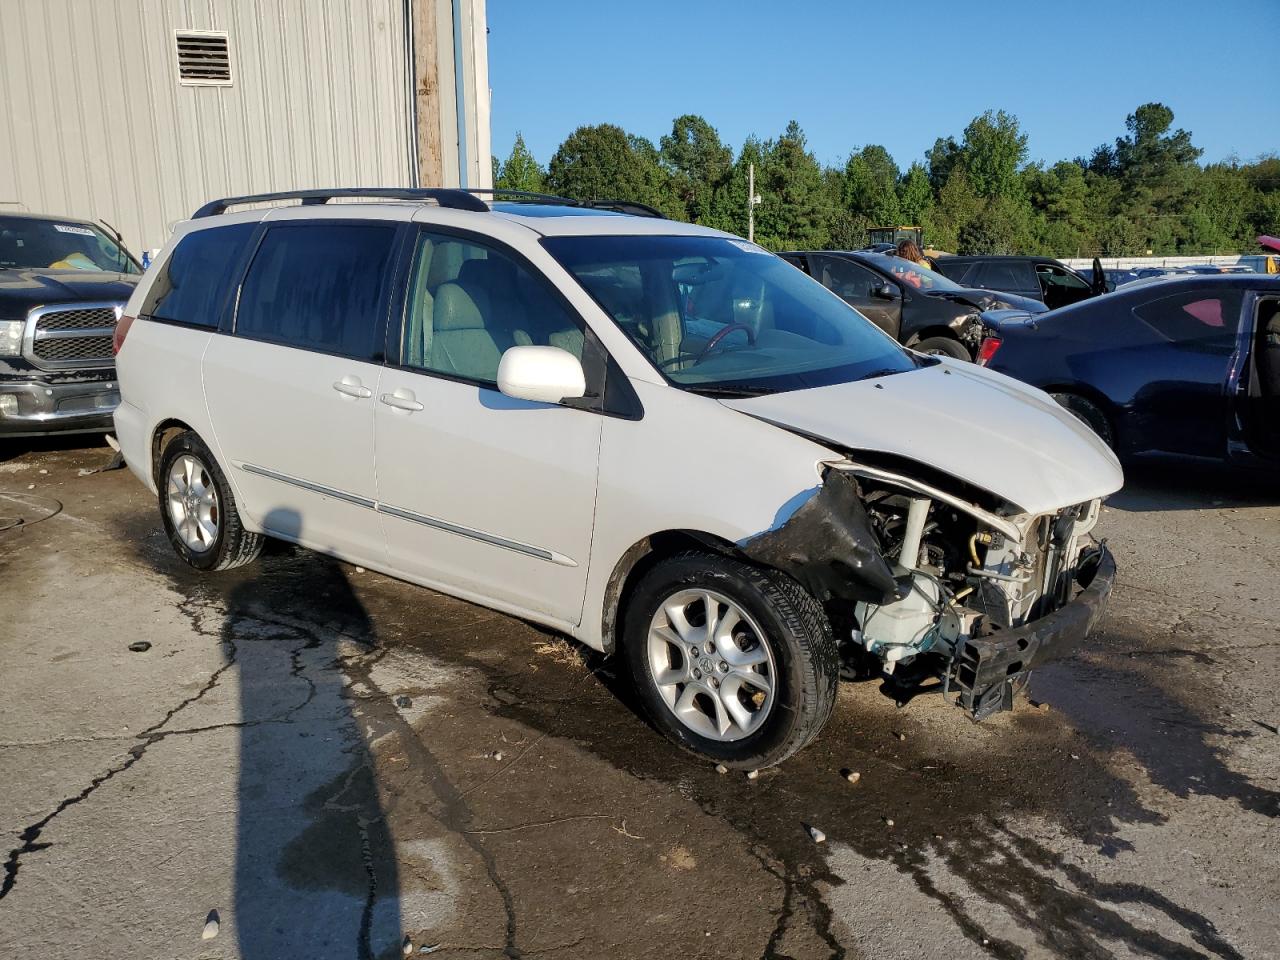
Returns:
(204, 57)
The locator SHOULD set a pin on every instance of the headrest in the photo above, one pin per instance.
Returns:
(455, 310)
(446, 260)
(489, 274)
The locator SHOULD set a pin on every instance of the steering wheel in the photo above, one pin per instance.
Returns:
(720, 334)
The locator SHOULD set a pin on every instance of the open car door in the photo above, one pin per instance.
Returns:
(1100, 284)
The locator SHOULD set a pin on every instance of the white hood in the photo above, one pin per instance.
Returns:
(977, 425)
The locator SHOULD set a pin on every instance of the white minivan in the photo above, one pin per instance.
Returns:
(658, 438)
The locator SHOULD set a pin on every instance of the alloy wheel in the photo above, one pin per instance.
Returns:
(193, 503)
(712, 665)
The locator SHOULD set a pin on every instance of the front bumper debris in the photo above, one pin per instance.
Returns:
(989, 671)
(36, 407)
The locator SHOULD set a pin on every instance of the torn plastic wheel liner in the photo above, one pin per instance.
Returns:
(828, 545)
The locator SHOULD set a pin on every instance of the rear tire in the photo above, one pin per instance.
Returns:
(1088, 413)
(943, 347)
(199, 510)
(761, 687)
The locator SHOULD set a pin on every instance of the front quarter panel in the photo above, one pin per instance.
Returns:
(690, 464)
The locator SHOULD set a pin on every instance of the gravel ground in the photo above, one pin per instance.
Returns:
(329, 761)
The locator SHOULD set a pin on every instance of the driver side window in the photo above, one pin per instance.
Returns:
(1051, 276)
(849, 281)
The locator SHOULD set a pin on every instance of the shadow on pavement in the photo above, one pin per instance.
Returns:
(1158, 487)
(12, 448)
(315, 867)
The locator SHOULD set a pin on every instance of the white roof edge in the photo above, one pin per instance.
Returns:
(610, 224)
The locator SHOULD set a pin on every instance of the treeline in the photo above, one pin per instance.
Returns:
(1147, 191)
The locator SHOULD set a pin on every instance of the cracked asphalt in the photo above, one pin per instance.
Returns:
(333, 761)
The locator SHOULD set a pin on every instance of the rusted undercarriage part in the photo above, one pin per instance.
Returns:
(828, 545)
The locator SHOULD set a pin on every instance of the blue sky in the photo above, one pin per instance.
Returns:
(898, 74)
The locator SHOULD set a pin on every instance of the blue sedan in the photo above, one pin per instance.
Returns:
(1188, 367)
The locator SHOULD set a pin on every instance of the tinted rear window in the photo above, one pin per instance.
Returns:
(1195, 317)
(320, 286)
(1001, 275)
(194, 282)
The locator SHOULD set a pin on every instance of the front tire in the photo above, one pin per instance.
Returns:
(731, 661)
(943, 347)
(199, 510)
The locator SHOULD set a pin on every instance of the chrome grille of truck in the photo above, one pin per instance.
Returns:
(71, 335)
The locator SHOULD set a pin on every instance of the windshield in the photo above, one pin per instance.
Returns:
(27, 242)
(719, 315)
(920, 278)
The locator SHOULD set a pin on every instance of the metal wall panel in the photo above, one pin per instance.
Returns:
(94, 123)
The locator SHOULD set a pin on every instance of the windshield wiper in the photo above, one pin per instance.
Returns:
(729, 393)
(886, 372)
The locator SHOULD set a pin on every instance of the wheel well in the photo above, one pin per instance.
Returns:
(164, 432)
(1085, 392)
(638, 560)
(928, 332)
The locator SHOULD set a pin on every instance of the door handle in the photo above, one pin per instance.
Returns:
(401, 399)
(350, 386)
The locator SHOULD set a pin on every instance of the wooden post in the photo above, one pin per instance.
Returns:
(426, 91)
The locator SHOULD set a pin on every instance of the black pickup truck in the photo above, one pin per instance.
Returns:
(63, 286)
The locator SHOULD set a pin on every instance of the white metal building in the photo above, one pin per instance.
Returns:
(139, 111)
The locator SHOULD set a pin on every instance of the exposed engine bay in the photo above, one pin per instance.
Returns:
(926, 584)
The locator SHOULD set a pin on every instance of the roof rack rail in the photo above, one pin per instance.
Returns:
(617, 206)
(631, 207)
(523, 195)
(454, 199)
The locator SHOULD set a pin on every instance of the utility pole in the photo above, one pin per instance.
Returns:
(753, 199)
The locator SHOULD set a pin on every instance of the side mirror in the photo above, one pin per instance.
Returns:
(542, 374)
(885, 291)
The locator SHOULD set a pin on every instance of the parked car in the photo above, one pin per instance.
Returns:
(655, 437)
(1040, 278)
(63, 283)
(1185, 366)
(917, 307)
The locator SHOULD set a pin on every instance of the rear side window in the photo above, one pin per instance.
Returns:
(194, 282)
(320, 286)
(998, 275)
(1195, 318)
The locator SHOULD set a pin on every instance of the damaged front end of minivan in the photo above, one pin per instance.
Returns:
(939, 586)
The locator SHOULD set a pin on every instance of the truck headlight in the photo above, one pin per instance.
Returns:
(11, 337)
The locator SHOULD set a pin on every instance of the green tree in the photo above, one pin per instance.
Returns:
(915, 195)
(958, 205)
(870, 186)
(697, 164)
(942, 158)
(1059, 197)
(1120, 237)
(796, 210)
(520, 171)
(1157, 169)
(605, 162)
(993, 150)
(1002, 225)
(729, 202)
